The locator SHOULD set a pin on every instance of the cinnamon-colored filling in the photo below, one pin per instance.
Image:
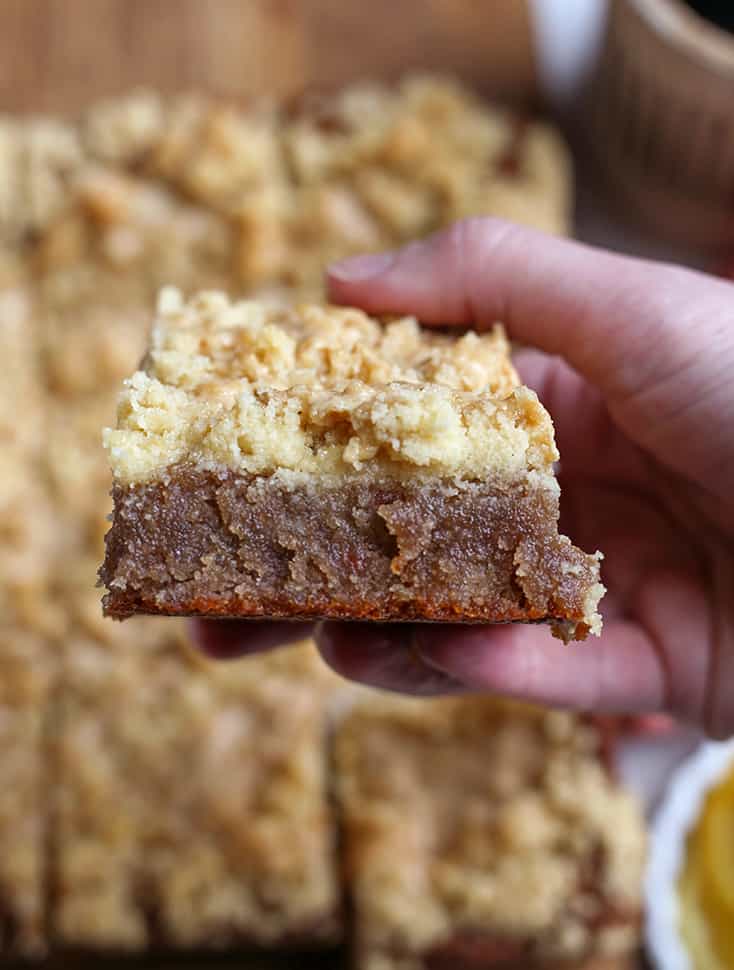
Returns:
(232, 544)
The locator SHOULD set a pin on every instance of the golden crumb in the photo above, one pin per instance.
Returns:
(244, 849)
(323, 390)
(486, 817)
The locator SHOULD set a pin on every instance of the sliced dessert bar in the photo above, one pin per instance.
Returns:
(314, 462)
(481, 833)
(192, 810)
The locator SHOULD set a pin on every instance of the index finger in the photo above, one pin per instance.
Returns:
(655, 339)
(224, 639)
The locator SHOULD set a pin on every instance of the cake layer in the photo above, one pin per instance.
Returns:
(228, 544)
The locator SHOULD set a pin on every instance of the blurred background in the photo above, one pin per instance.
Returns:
(56, 55)
(152, 803)
(631, 75)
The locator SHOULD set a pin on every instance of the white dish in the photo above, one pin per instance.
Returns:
(677, 815)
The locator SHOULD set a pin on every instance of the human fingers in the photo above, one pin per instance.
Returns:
(589, 441)
(620, 674)
(230, 639)
(654, 657)
(381, 655)
(657, 340)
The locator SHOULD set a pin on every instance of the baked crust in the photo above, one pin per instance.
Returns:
(484, 953)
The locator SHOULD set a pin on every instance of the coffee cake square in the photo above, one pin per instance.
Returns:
(481, 833)
(311, 461)
(191, 808)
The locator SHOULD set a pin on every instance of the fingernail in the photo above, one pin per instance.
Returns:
(360, 268)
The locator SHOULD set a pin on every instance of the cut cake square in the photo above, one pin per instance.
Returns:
(481, 833)
(308, 462)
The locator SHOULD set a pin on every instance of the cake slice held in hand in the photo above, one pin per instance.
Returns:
(312, 462)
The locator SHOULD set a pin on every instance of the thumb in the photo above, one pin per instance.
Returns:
(656, 340)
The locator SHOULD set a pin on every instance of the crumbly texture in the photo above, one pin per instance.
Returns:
(314, 462)
(289, 188)
(27, 531)
(21, 437)
(539, 859)
(28, 527)
(242, 851)
(321, 390)
(228, 544)
(78, 473)
(27, 549)
(38, 159)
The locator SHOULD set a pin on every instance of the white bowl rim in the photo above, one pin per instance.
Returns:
(703, 41)
(673, 821)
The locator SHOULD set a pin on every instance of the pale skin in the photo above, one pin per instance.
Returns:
(635, 362)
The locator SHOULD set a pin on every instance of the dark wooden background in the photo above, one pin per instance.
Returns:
(57, 55)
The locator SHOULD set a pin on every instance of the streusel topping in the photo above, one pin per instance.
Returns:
(323, 390)
(486, 815)
(249, 833)
(210, 342)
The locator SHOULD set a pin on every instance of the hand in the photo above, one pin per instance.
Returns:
(634, 361)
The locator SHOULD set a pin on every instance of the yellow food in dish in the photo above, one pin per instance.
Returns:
(706, 885)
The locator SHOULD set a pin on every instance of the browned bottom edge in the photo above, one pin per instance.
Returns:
(229, 544)
(478, 952)
(244, 957)
(317, 943)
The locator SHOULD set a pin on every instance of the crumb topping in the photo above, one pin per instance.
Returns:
(245, 845)
(323, 390)
(540, 846)
(363, 169)
(210, 342)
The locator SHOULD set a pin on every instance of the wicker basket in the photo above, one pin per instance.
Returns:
(660, 114)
